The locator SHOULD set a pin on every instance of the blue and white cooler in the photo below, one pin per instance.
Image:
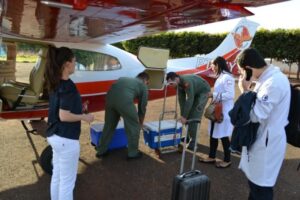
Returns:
(168, 135)
(119, 139)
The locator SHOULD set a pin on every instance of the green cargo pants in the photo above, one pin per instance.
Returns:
(113, 112)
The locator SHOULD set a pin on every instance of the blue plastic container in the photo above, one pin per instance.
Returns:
(119, 139)
(168, 135)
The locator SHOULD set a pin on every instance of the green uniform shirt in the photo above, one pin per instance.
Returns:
(126, 90)
(189, 87)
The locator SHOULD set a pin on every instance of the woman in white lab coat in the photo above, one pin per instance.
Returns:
(224, 91)
(263, 161)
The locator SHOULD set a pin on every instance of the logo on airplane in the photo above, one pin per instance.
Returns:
(241, 36)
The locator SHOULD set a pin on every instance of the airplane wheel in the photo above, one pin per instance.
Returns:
(46, 160)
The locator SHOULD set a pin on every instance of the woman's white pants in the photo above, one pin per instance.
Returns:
(65, 164)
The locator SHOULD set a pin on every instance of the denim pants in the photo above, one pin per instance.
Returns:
(65, 164)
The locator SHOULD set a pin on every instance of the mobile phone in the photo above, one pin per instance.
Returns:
(248, 74)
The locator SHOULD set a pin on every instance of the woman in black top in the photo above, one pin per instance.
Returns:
(64, 119)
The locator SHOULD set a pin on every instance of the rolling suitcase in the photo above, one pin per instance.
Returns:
(191, 185)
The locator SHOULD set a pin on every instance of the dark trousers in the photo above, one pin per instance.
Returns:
(214, 145)
(259, 192)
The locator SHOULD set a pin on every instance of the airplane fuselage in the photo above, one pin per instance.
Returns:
(100, 65)
(94, 84)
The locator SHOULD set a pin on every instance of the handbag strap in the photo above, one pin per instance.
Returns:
(217, 99)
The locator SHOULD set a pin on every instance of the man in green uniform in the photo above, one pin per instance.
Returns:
(120, 103)
(192, 94)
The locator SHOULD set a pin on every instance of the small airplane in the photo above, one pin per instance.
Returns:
(89, 27)
(93, 80)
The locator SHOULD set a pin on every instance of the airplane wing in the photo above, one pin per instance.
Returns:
(110, 21)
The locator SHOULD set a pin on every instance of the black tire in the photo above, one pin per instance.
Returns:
(46, 160)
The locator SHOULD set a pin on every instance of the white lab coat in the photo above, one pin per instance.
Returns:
(262, 162)
(224, 85)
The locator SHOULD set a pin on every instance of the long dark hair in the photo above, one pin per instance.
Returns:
(56, 59)
(221, 64)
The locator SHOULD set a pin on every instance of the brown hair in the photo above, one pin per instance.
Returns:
(56, 58)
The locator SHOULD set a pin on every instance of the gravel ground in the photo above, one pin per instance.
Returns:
(114, 178)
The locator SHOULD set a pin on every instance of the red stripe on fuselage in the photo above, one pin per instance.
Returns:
(98, 89)
(94, 87)
(230, 53)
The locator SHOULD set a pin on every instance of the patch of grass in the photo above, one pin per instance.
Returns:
(27, 58)
(23, 58)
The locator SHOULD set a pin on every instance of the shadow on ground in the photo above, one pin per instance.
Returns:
(115, 178)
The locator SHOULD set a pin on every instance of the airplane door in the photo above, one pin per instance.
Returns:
(155, 61)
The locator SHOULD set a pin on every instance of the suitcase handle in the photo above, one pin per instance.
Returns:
(190, 121)
(190, 173)
(164, 111)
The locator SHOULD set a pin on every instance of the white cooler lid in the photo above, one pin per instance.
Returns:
(98, 127)
(165, 124)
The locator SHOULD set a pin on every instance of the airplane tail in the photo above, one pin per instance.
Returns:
(238, 39)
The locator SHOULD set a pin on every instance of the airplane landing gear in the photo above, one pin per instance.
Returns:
(33, 131)
(46, 160)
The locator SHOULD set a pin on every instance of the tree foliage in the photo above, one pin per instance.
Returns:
(180, 44)
(278, 44)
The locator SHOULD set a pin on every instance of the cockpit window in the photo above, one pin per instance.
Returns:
(94, 61)
(17, 60)
(3, 54)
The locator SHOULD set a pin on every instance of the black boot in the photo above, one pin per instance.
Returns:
(136, 156)
(101, 155)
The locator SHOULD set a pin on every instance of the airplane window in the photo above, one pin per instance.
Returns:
(17, 60)
(112, 63)
(93, 61)
(3, 51)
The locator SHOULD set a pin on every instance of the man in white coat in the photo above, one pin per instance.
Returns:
(262, 162)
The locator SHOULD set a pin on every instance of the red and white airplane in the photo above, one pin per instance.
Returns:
(88, 26)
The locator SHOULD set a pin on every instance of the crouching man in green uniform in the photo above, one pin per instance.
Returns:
(192, 95)
(120, 103)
